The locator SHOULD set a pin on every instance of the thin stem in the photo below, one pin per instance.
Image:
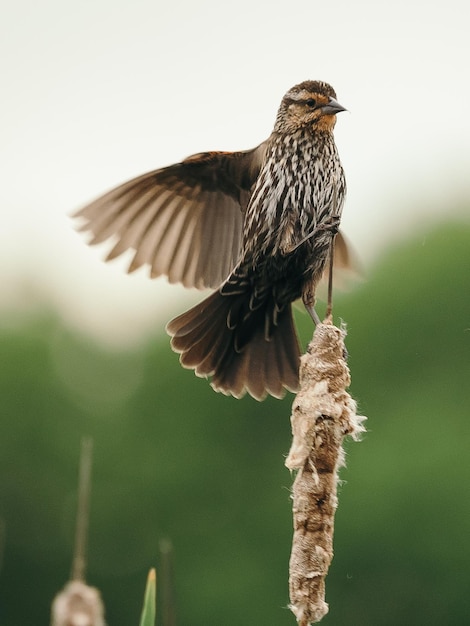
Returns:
(329, 305)
(83, 510)
(167, 583)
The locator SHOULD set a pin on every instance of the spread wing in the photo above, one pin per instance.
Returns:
(183, 221)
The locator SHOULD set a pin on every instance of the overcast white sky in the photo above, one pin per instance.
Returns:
(95, 92)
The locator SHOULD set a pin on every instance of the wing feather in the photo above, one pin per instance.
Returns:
(183, 221)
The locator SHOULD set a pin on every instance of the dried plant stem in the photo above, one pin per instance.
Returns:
(79, 604)
(323, 414)
(83, 509)
(168, 601)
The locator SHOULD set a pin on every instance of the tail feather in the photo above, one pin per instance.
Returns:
(187, 322)
(205, 356)
(262, 367)
(206, 336)
(193, 334)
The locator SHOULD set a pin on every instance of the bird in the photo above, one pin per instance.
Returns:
(256, 226)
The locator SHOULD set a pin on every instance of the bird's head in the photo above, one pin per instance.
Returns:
(311, 104)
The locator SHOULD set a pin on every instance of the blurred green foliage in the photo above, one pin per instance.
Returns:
(175, 460)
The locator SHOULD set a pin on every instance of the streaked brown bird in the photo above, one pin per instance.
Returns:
(256, 225)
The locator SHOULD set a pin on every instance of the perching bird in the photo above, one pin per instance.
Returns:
(256, 225)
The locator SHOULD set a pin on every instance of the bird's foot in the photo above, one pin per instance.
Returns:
(313, 314)
(332, 224)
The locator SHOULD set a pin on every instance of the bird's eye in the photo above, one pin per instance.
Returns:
(311, 102)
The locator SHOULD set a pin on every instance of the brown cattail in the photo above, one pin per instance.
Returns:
(78, 605)
(323, 414)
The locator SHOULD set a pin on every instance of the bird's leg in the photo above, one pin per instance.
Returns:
(331, 225)
(329, 302)
(308, 298)
(313, 314)
(334, 220)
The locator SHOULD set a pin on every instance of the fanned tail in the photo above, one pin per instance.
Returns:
(266, 359)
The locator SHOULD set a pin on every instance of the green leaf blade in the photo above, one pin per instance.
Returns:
(149, 607)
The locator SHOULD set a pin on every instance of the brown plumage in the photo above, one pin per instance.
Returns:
(255, 225)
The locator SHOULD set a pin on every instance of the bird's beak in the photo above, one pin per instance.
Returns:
(332, 107)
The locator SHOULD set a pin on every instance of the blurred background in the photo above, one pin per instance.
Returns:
(97, 92)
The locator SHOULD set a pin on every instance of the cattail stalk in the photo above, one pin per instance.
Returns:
(83, 510)
(78, 604)
(323, 414)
